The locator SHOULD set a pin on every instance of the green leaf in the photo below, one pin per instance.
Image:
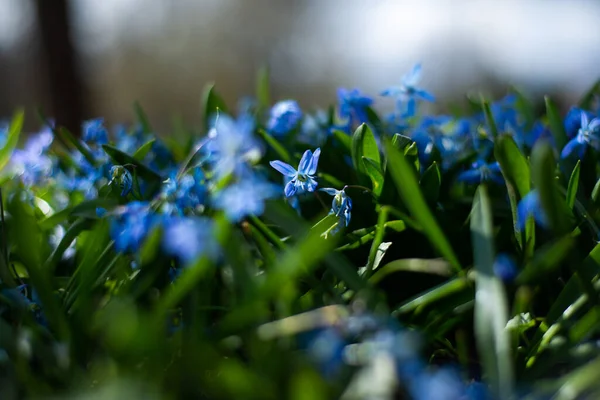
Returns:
(374, 172)
(401, 142)
(573, 185)
(588, 98)
(143, 150)
(543, 174)
(517, 177)
(431, 182)
(14, 130)
(408, 188)
(282, 153)
(411, 154)
(491, 310)
(434, 295)
(142, 118)
(212, 103)
(68, 137)
(84, 209)
(489, 118)
(556, 124)
(121, 158)
(546, 259)
(364, 145)
(433, 266)
(71, 234)
(344, 139)
(263, 88)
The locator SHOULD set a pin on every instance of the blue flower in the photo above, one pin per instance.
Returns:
(530, 205)
(94, 132)
(482, 172)
(231, 145)
(505, 267)
(407, 93)
(122, 177)
(285, 116)
(130, 225)
(588, 135)
(32, 164)
(187, 238)
(246, 197)
(572, 121)
(341, 206)
(302, 180)
(188, 192)
(353, 106)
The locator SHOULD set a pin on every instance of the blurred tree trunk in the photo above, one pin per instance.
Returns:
(62, 74)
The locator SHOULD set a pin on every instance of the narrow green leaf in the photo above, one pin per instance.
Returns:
(211, 102)
(556, 124)
(374, 172)
(491, 310)
(408, 188)
(433, 266)
(364, 145)
(12, 139)
(282, 153)
(84, 209)
(143, 150)
(121, 158)
(517, 177)
(69, 138)
(434, 295)
(543, 174)
(142, 118)
(344, 139)
(573, 185)
(263, 88)
(431, 182)
(489, 118)
(546, 259)
(71, 234)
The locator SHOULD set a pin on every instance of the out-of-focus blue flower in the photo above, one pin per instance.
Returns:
(530, 205)
(246, 197)
(187, 238)
(407, 93)
(326, 348)
(314, 129)
(284, 117)
(482, 172)
(129, 142)
(302, 180)
(122, 177)
(3, 134)
(32, 164)
(443, 384)
(100, 212)
(353, 106)
(188, 192)
(231, 144)
(572, 121)
(94, 132)
(588, 135)
(341, 206)
(505, 267)
(130, 225)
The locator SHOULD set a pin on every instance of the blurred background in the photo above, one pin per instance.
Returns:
(85, 58)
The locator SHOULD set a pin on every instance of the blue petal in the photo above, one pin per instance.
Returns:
(584, 120)
(314, 162)
(594, 125)
(305, 162)
(470, 176)
(573, 146)
(505, 267)
(284, 168)
(413, 77)
(530, 205)
(290, 188)
(425, 95)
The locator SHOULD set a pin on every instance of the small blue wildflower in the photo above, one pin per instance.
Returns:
(232, 145)
(302, 180)
(588, 135)
(482, 172)
(353, 106)
(314, 129)
(187, 193)
(130, 225)
(100, 212)
(572, 121)
(187, 238)
(407, 93)
(122, 177)
(530, 205)
(341, 206)
(326, 348)
(284, 117)
(505, 267)
(3, 134)
(94, 132)
(246, 197)
(32, 164)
